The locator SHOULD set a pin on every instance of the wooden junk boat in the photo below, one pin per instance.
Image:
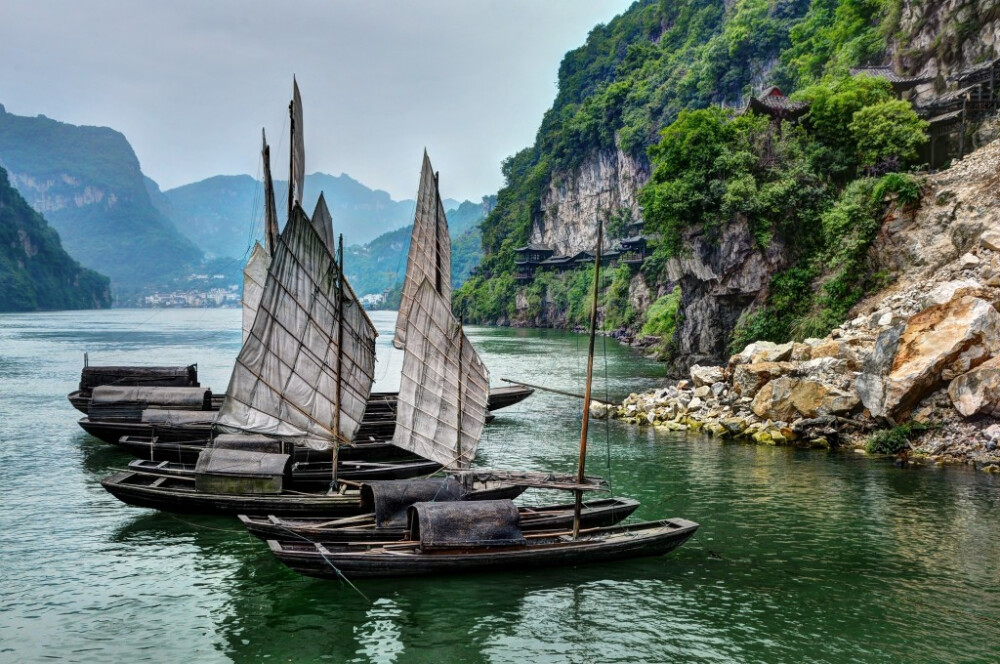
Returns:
(453, 537)
(303, 376)
(385, 503)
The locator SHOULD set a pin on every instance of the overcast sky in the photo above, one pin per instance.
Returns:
(191, 82)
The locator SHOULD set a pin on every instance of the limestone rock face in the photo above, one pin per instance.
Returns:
(942, 338)
(978, 391)
(706, 375)
(787, 398)
(749, 378)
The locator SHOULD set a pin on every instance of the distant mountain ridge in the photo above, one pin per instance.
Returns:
(35, 272)
(87, 183)
(222, 214)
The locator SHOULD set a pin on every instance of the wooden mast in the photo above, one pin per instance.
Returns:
(578, 503)
(340, 358)
(291, 153)
(437, 234)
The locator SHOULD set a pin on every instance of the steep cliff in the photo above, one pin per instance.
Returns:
(88, 184)
(632, 78)
(35, 272)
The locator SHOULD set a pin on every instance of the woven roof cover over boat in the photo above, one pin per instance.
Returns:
(190, 398)
(389, 499)
(156, 416)
(284, 383)
(254, 276)
(91, 377)
(430, 250)
(466, 523)
(244, 441)
(440, 370)
(240, 463)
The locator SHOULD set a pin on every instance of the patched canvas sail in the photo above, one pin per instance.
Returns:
(430, 250)
(284, 383)
(441, 370)
(254, 276)
(323, 222)
(270, 210)
(297, 174)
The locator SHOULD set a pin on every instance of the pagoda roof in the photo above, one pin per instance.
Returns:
(973, 72)
(773, 102)
(888, 73)
(533, 247)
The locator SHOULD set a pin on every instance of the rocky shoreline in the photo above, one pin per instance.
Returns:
(921, 357)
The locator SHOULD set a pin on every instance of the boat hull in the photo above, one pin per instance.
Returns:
(648, 539)
(175, 492)
(595, 513)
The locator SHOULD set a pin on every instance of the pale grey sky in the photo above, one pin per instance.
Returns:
(191, 82)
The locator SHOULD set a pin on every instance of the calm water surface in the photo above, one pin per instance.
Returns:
(802, 556)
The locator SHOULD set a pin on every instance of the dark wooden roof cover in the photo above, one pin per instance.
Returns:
(899, 81)
(533, 247)
(773, 102)
(978, 73)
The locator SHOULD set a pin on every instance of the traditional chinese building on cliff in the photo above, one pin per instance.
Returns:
(534, 257)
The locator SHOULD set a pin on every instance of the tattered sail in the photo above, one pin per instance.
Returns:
(444, 387)
(323, 222)
(430, 250)
(285, 381)
(270, 211)
(297, 170)
(254, 276)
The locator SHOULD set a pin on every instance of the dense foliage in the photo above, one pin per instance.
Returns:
(35, 272)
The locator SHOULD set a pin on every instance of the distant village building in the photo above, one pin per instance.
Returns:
(372, 299)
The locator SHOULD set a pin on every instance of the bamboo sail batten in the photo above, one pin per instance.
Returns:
(428, 419)
(430, 250)
(284, 382)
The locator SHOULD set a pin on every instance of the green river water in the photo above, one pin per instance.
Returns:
(802, 556)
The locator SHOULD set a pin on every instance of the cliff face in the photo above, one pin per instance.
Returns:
(88, 184)
(721, 277)
(573, 202)
(35, 272)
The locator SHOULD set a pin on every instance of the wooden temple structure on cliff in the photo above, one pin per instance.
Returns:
(534, 257)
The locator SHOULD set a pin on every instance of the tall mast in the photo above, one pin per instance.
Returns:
(461, 349)
(270, 214)
(291, 154)
(340, 356)
(437, 233)
(578, 503)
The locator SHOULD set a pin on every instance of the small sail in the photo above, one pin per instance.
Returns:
(298, 159)
(270, 211)
(430, 249)
(323, 222)
(254, 276)
(285, 382)
(441, 370)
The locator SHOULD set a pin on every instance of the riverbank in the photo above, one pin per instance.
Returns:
(916, 371)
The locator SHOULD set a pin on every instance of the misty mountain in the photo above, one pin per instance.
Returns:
(223, 214)
(87, 183)
(35, 272)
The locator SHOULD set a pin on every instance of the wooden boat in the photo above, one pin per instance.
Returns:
(505, 548)
(596, 513)
(460, 537)
(92, 377)
(313, 475)
(180, 494)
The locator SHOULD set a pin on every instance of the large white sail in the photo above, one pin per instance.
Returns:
(444, 388)
(254, 277)
(285, 382)
(430, 250)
